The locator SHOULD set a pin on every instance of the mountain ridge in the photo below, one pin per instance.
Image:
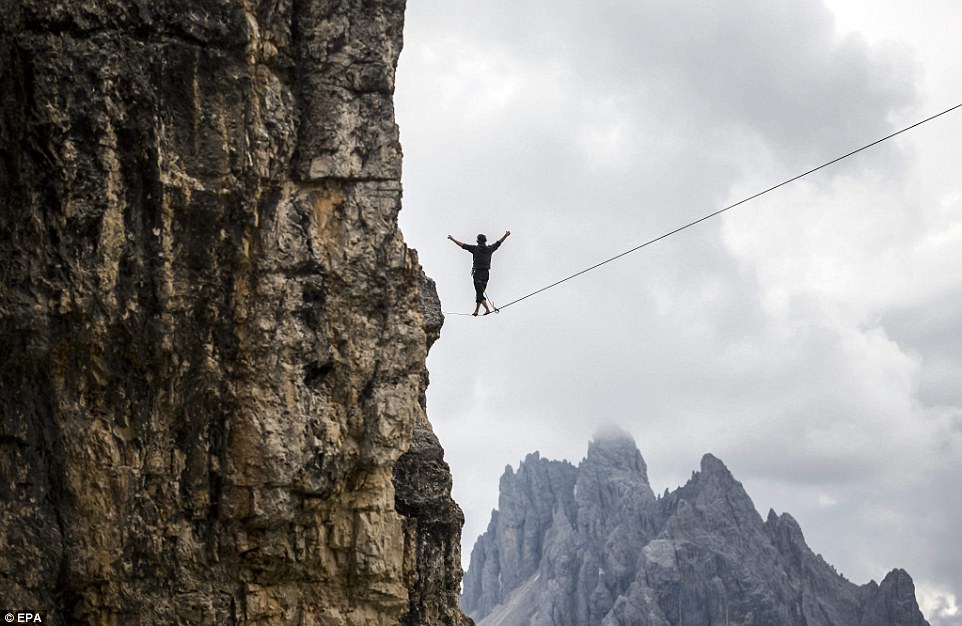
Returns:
(613, 554)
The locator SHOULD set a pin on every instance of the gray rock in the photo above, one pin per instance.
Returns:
(433, 521)
(613, 554)
(892, 602)
(528, 502)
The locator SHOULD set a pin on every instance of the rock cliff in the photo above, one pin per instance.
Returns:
(592, 545)
(212, 335)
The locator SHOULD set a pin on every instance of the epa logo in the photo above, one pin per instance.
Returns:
(24, 617)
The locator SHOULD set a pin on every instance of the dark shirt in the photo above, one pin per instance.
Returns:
(482, 254)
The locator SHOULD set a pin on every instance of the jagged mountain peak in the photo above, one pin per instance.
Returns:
(711, 464)
(615, 449)
(785, 525)
(612, 554)
(612, 433)
(892, 602)
(717, 499)
(612, 490)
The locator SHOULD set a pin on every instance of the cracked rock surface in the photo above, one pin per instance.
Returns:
(212, 335)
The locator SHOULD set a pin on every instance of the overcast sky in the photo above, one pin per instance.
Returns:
(811, 339)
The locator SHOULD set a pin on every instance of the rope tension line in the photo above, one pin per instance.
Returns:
(720, 211)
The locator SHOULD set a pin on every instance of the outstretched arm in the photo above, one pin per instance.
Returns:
(459, 244)
(504, 236)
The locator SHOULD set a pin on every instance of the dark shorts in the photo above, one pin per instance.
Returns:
(480, 284)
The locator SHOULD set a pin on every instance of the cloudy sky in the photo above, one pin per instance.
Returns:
(811, 339)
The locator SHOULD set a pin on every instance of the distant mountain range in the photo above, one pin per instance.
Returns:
(592, 545)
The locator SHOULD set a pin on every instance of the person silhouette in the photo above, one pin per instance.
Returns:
(481, 267)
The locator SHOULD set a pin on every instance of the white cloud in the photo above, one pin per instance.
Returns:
(826, 500)
(939, 604)
(811, 339)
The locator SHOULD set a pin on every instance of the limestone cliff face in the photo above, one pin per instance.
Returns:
(592, 545)
(212, 340)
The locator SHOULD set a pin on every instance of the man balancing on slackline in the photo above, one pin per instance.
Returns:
(482, 263)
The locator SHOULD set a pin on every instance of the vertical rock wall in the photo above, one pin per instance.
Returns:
(211, 338)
